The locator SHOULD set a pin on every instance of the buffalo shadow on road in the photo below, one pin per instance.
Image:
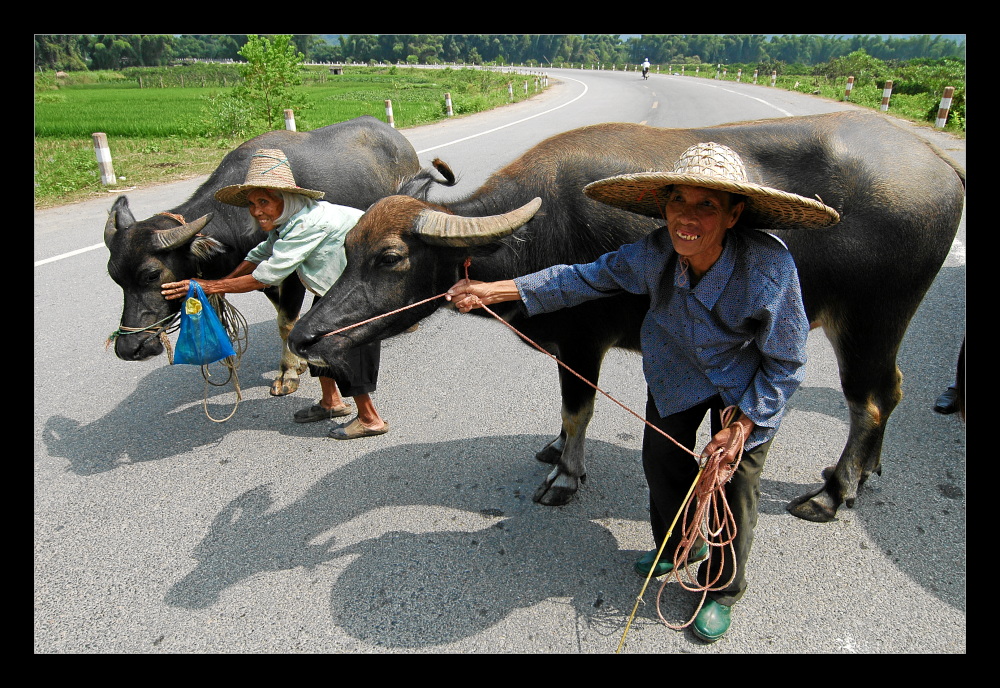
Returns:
(434, 558)
(441, 556)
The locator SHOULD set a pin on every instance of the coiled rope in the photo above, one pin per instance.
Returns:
(236, 327)
(712, 521)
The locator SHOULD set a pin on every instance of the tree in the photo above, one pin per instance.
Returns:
(269, 77)
(324, 52)
(858, 64)
(155, 50)
(60, 52)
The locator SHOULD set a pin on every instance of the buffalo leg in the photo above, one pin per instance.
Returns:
(287, 300)
(567, 451)
(872, 385)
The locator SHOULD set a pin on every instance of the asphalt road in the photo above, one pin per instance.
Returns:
(159, 531)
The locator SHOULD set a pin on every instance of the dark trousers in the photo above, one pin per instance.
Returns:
(669, 474)
(363, 363)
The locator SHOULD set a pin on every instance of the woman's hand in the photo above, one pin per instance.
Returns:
(226, 285)
(178, 290)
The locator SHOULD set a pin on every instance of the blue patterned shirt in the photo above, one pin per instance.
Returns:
(739, 333)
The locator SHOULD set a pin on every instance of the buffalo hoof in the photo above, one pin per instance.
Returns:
(282, 387)
(557, 489)
(817, 506)
(550, 454)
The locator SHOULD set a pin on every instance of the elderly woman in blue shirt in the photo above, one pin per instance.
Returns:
(305, 236)
(726, 327)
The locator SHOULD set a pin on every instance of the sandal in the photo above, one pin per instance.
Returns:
(319, 412)
(356, 429)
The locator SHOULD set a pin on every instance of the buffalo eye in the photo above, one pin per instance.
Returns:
(389, 259)
(150, 276)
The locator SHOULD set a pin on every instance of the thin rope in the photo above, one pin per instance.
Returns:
(468, 262)
(386, 315)
(236, 327)
(711, 521)
(158, 328)
(708, 487)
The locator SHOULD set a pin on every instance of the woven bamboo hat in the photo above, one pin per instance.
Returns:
(713, 166)
(269, 169)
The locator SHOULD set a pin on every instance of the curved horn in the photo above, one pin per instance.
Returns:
(172, 238)
(443, 229)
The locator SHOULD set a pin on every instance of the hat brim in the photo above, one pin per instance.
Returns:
(767, 208)
(237, 193)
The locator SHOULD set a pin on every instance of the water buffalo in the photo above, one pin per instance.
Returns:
(900, 204)
(355, 163)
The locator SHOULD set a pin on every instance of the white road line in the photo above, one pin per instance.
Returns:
(490, 131)
(67, 255)
(786, 113)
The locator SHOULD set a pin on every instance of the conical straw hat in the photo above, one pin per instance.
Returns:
(713, 166)
(269, 169)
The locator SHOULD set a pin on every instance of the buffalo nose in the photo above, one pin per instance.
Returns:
(299, 341)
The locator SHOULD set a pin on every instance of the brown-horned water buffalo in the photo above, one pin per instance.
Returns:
(900, 204)
(355, 162)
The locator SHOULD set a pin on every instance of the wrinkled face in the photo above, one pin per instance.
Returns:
(698, 219)
(265, 207)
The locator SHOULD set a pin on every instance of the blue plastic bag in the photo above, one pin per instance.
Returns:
(203, 339)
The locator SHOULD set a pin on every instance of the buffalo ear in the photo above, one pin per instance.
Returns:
(125, 217)
(119, 217)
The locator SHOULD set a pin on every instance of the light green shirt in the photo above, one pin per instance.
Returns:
(310, 243)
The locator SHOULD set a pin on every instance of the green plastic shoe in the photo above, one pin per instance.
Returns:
(665, 566)
(712, 621)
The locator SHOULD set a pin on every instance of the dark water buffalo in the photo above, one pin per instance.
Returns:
(355, 163)
(862, 280)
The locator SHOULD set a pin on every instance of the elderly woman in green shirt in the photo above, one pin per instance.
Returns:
(305, 236)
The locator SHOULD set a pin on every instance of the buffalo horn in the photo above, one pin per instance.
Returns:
(169, 239)
(443, 229)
